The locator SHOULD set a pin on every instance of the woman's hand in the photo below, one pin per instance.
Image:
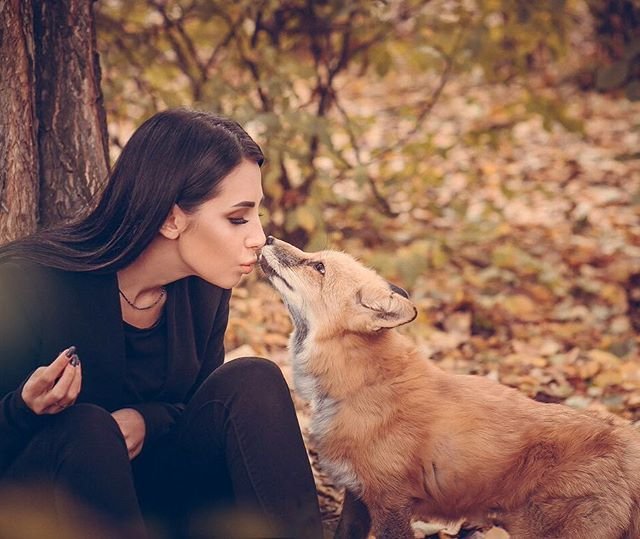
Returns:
(53, 388)
(133, 429)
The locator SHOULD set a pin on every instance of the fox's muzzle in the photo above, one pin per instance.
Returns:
(275, 253)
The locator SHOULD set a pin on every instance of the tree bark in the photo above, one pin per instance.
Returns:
(53, 133)
(18, 126)
(72, 134)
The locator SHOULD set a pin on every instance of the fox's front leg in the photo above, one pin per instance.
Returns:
(390, 523)
(355, 521)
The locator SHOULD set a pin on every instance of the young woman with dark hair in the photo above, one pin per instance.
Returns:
(112, 382)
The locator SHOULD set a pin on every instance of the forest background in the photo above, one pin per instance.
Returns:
(483, 154)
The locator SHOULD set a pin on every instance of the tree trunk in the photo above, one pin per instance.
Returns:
(18, 127)
(53, 135)
(72, 134)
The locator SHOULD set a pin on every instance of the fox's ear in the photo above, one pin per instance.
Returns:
(383, 308)
(398, 290)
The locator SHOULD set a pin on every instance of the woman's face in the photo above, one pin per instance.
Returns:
(224, 234)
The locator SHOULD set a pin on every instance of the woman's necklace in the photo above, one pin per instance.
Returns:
(163, 292)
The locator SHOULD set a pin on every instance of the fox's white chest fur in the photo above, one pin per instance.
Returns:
(324, 409)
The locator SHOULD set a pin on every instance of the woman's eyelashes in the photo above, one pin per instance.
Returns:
(241, 220)
(238, 220)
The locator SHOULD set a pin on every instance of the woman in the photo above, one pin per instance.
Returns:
(112, 383)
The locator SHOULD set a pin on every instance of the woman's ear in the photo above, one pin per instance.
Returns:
(175, 223)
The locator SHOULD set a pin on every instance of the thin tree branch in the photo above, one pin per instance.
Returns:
(379, 197)
(184, 63)
(220, 47)
(427, 107)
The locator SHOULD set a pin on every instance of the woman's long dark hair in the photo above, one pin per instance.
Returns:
(178, 157)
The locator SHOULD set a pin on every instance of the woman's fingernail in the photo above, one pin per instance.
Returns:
(75, 360)
(70, 351)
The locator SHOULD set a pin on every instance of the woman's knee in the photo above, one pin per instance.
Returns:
(252, 376)
(254, 372)
(251, 382)
(81, 441)
(87, 430)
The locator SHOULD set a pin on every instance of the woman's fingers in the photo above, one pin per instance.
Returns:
(53, 371)
(52, 388)
(61, 394)
(76, 385)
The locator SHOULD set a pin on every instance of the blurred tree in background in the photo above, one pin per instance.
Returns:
(337, 92)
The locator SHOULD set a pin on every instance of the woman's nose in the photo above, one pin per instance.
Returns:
(257, 239)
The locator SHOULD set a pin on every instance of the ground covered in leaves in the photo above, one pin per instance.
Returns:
(537, 285)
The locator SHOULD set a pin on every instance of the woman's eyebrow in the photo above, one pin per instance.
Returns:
(244, 204)
(247, 204)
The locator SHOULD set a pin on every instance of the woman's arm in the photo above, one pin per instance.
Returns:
(27, 390)
(19, 354)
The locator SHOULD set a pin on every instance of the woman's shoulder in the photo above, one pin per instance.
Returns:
(17, 266)
(18, 274)
(17, 270)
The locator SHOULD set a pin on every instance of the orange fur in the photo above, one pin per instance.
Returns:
(411, 440)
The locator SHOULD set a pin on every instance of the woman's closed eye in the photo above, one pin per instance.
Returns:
(238, 220)
(241, 220)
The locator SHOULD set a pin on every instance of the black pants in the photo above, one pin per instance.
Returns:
(234, 466)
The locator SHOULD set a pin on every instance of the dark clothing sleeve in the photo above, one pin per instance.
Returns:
(214, 352)
(19, 356)
(158, 417)
(18, 416)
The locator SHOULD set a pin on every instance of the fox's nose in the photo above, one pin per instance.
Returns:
(270, 240)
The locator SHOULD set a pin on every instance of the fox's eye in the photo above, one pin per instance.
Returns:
(319, 266)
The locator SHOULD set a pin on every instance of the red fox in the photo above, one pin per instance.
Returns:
(407, 439)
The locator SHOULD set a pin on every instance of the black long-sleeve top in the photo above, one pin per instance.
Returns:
(147, 360)
(44, 311)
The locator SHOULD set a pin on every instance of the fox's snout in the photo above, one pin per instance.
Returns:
(282, 253)
(276, 258)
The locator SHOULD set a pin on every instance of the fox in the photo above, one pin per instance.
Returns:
(407, 440)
